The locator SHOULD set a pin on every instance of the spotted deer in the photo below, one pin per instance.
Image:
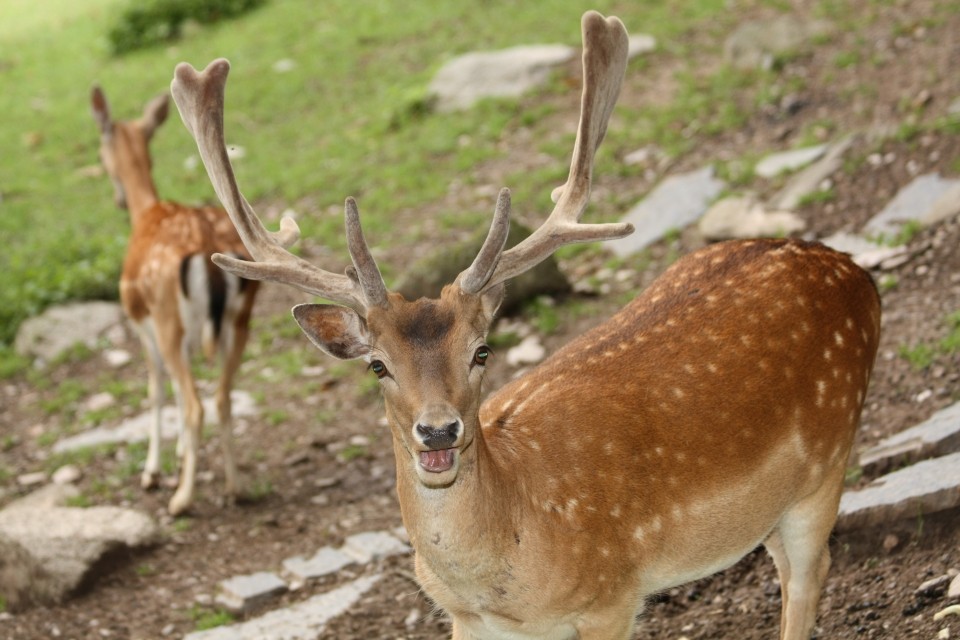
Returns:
(713, 414)
(177, 300)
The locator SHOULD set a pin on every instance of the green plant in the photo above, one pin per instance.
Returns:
(145, 24)
(888, 282)
(79, 500)
(352, 452)
(204, 618)
(919, 356)
(817, 197)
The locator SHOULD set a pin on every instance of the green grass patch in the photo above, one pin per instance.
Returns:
(332, 124)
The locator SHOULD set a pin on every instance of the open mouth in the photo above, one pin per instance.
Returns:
(438, 460)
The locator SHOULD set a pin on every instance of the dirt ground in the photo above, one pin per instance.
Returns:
(323, 462)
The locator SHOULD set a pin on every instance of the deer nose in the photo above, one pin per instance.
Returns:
(442, 437)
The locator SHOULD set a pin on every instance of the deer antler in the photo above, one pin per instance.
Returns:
(604, 61)
(200, 100)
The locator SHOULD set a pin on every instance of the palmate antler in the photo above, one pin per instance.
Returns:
(200, 100)
(605, 46)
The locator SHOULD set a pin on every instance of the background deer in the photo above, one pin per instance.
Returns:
(173, 294)
(712, 414)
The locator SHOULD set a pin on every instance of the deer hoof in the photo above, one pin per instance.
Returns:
(150, 480)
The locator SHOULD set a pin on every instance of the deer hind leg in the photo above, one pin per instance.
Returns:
(232, 342)
(800, 550)
(191, 414)
(150, 477)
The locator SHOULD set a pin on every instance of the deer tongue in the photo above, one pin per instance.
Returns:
(438, 460)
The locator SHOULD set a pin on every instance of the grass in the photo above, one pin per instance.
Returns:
(922, 355)
(334, 125)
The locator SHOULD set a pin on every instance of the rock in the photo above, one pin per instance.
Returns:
(809, 180)
(953, 591)
(755, 44)
(243, 593)
(640, 43)
(426, 277)
(926, 200)
(673, 204)
(31, 479)
(744, 217)
(99, 401)
(117, 358)
(284, 65)
(67, 474)
(938, 435)
(777, 163)
(137, 428)
(303, 621)
(58, 328)
(529, 351)
(324, 562)
(63, 547)
(507, 73)
(933, 588)
(868, 254)
(925, 487)
(373, 545)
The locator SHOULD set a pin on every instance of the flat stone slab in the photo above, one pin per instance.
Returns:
(925, 487)
(506, 73)
(242, 593)
(927, 199)
(58, 328)
(938, 435)
(810, 179)
(324, 562)
(676, 202)
(777, 163)
(303, 621)
(373, 545)
(137, 428)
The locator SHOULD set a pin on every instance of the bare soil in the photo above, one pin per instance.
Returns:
(314, 488)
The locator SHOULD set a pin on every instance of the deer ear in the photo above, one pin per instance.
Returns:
(101, 110)
(155, 113)
(491, 299)
(336, 330)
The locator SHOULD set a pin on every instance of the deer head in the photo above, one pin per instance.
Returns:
(428, 354)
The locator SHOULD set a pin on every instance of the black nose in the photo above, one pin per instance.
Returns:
(438, 437)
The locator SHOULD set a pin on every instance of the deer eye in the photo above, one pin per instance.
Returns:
(379, 369)
(481, 355)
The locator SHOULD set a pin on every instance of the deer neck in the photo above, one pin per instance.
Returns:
(139, 189)
(454, 529)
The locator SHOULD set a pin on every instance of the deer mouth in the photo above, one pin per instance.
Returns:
(438, 460)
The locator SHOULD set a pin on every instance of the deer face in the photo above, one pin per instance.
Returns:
(430, 357)
(126, 144)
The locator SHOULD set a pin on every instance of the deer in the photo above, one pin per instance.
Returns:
(177, 300)
(713, 414)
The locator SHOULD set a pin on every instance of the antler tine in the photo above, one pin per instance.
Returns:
(605, 46)
(200, 99)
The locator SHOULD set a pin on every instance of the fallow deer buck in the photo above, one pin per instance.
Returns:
(713, 414)
(177, 299)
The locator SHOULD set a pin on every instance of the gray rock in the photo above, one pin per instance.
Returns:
(117, 358)
(529, 351)
(938, 435)
(136, 429)
(677, 201)
(507, 73)
(243, 593)
(927, 199)
(58, 328)
(426, 277)
(953, 591)
(934, 587)
(744, 217)
(324, 562)
(777, 163)
(303, 621)
(640, 43)
(926, 487)
(63, 547)
(809, 180)
(373, 545)
(755, 44)
(867, 253)
(67, 474)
